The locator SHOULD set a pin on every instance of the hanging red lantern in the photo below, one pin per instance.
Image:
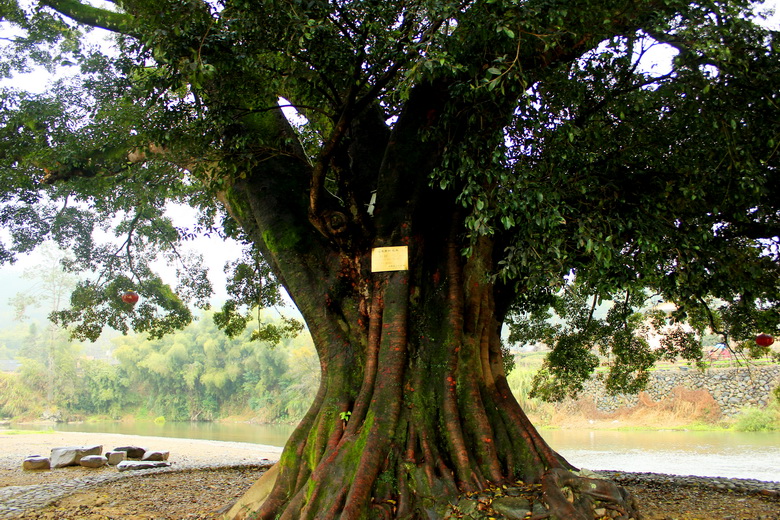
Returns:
(764, 340)
(130, 297)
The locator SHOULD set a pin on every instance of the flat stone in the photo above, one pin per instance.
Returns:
(513, 508)
(115, 457)
(128, 465)
(133, 452)
(467, 506)
(70, 456)
(155, 455)
(93, 461)
(36, 462)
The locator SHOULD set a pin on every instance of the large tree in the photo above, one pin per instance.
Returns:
(515, 147)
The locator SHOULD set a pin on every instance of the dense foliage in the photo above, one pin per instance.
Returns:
(568, 193)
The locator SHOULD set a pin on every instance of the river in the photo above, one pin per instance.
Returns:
(705, 454)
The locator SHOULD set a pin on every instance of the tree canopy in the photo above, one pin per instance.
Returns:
(518, 148)
(564, 145)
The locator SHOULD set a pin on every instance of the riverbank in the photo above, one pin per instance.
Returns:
(32, 490)
(185, 454)
(206, 475)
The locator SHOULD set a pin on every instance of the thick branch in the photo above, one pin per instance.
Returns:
(110, 163)
(317, 187)
(93, 16)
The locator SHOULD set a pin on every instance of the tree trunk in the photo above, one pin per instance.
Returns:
(414, 407)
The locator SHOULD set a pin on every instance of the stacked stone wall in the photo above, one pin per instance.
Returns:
(731, 388)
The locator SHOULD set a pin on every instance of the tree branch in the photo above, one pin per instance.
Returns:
(93, 16)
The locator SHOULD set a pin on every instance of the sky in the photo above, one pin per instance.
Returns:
(773, 22)
(216, 251)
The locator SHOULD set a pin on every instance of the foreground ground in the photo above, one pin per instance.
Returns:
(195, 488)
(197, 494)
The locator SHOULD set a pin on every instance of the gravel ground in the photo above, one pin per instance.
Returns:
(665, 497)
(173, 495)
(207, 475)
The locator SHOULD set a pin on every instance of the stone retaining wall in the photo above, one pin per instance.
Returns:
(732, 388)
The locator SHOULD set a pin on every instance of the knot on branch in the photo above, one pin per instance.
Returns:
(336, 222)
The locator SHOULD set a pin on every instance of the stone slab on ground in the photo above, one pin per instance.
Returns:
(93, 461)
(72, 455)
(36, 462)
(135, 465)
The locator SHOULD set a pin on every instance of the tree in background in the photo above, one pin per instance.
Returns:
(194, 374)
(509, 145)
(48, 358)
(200, 374)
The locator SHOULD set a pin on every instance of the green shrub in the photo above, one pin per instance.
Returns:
(757, 420)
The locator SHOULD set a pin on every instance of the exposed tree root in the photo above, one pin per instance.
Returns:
(573, 497)
(562, 495)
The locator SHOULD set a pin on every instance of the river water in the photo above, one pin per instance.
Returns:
(705, 454)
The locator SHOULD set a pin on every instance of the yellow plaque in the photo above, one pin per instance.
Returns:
(389, 259)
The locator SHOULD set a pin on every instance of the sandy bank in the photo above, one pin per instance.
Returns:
(184, 453)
